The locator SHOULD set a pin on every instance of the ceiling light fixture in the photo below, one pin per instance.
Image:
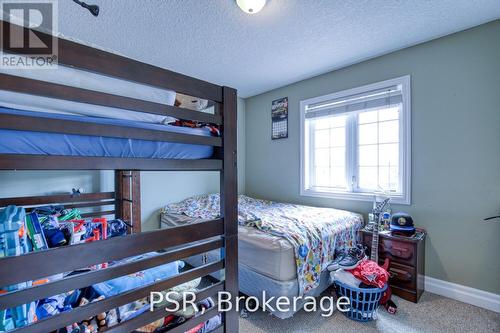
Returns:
(251, 6)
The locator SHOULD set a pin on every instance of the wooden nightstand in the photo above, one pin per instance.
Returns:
(407, 261)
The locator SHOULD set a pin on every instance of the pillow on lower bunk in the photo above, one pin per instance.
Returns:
(138, 279)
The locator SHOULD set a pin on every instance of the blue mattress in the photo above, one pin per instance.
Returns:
(41, 143)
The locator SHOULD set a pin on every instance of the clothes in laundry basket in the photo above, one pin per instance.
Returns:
(371, 273)
(345, 278)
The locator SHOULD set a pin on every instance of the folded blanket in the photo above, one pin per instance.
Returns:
(315, 233)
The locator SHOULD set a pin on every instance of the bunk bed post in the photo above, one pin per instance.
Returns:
(122, 190)
(229, 204)
(128, 198)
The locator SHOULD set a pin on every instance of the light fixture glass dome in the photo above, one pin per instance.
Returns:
(251, 6)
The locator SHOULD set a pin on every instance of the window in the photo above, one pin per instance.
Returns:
(357, 142)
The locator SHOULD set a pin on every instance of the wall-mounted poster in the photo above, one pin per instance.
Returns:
(279, 118)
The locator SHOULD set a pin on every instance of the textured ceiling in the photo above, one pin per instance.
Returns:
(289, 40)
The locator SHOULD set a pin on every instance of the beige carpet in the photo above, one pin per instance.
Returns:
(433, 313)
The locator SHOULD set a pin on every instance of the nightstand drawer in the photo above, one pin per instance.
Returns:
(402, 276)
(396, 250)
(406, 294)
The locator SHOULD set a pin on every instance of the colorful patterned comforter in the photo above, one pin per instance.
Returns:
(315, 233)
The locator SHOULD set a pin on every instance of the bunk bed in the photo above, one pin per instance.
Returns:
(32, 142)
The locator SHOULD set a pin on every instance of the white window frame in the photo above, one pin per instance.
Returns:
(404, 139)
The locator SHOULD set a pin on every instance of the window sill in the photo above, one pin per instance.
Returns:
(356, 196)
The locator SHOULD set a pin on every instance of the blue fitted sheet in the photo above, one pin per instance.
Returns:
(41, 143)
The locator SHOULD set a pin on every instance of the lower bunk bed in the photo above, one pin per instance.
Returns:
(46, 230)
(283, 249)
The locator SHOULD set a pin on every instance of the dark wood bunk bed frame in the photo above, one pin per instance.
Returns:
(126, 197)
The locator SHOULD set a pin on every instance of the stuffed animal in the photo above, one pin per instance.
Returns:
(189, 102)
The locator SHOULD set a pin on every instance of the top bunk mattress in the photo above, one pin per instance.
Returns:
(42, 143)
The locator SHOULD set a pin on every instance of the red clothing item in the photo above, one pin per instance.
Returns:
(370, 273)
(214, 130)
(196, 328)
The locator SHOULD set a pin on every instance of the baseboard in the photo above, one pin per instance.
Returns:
(464, 294)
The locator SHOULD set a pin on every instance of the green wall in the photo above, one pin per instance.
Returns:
(455, 148)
